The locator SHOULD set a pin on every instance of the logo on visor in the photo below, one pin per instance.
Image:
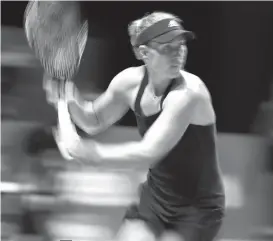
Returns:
(173, 23)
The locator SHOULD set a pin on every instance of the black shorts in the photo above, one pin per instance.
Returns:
(193, 223)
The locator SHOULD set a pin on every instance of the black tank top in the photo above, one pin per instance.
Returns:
(190, 173)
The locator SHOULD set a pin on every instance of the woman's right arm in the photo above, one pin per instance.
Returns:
(96, 116)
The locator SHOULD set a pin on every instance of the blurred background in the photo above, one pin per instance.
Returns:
(44, 198)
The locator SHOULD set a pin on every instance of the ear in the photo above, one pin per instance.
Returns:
(137, 54)
(143, 51)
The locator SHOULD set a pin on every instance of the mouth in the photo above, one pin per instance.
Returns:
(177, 61)
(176, 64)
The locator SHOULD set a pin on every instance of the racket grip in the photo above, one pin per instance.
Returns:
(62, 88)
(70, 92)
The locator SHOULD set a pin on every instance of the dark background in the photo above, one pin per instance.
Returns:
(233, 53)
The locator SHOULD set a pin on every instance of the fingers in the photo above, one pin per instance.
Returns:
(60, 145)
(65, 134)
(57, 89)
(51, 88)
(66, 154)
(70, 144)
(67, 128)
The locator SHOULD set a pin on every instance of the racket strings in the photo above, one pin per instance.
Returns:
(55, 32)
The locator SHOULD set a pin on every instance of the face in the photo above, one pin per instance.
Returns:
(168, 58)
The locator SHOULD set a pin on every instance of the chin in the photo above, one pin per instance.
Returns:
(175, 72)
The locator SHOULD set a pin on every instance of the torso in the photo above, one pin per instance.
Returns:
(189, 174)
(150, 105)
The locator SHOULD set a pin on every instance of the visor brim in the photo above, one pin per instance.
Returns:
(167, 37)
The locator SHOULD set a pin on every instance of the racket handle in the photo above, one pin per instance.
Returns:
(62, 88)
(70, 92)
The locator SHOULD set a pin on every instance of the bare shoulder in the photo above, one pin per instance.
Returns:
(191, 98)
(204, 113)
(191, 85)
(127, 79)
(195, 84)
(189, 91)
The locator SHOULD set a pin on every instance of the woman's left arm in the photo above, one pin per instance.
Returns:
(160, 139)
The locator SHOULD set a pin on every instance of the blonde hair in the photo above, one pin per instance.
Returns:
(137, 26)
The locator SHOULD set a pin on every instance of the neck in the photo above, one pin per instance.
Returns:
(158, 82)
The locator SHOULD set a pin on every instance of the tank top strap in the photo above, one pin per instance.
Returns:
(144, 83)
(173, 82)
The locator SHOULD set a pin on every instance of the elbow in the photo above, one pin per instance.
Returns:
(150, 159)
(94, 130)
(156, 156)
(151, 154)
(156, 151)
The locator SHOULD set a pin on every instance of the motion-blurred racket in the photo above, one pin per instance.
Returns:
(57, 32)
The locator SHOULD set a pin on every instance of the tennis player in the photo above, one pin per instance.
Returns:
(183, 194)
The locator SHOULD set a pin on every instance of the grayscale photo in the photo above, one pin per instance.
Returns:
(136, 121)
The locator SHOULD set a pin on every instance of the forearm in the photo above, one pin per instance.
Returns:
(83, 114)
(126, 153)
(73, 95)
(85, 118)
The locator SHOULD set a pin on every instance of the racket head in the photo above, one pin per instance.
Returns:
(57, 33)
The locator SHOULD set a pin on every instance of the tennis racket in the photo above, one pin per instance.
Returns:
(57, 32)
